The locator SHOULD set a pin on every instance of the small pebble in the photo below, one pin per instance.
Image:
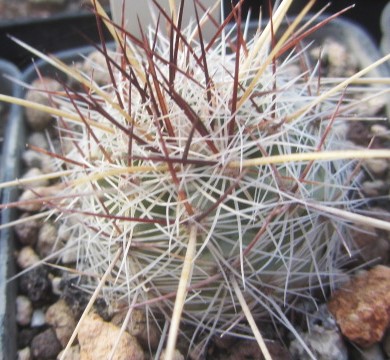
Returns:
(30, 200)
(177, 355)
(97, 338)
(38, 139)
(374, 188)
(72, 354)
(24, 354)
(146, 334)
(56, 286)
(337, 59)
(376, 166)
(327, 345)
(38, 318)
(27, 257)
(45, 345)
(362, 307)
(76, 298)
(37, 119)
(35, 284)
(27, 231)
(249, 349)
(95, 65)
(60, 317)
(371, 246)
(47, 238)
(69, 255)
(25, 336)
(24, 310)
(41, 161)
(380, 130)
(35, 173)
(64, 232)
(323, 339)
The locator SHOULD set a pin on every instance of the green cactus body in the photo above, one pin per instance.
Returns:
(252, 222)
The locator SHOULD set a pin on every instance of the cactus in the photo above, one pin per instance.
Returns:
(206, 186)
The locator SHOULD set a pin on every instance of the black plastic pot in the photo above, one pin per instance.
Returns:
(54, 34)
(365, 13)
(13, 128)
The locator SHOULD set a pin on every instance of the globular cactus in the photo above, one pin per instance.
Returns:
(202, 182)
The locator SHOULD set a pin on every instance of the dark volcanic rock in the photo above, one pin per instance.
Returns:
(36, 284)
(45, 345)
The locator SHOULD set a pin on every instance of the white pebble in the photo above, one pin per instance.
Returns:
(37, 119)
(30, 200)
(96, 65)
(47, 238)
(27, 230)
(41, 161)
(55, 286)
(380, 130)
(27, 257)
(24, 354)
(325, 345)
(373, 188)
(376, 166)
(38, 139)
(64, 233)
(176, 355)
(24, 310)
(69, 254)
(38, 318)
